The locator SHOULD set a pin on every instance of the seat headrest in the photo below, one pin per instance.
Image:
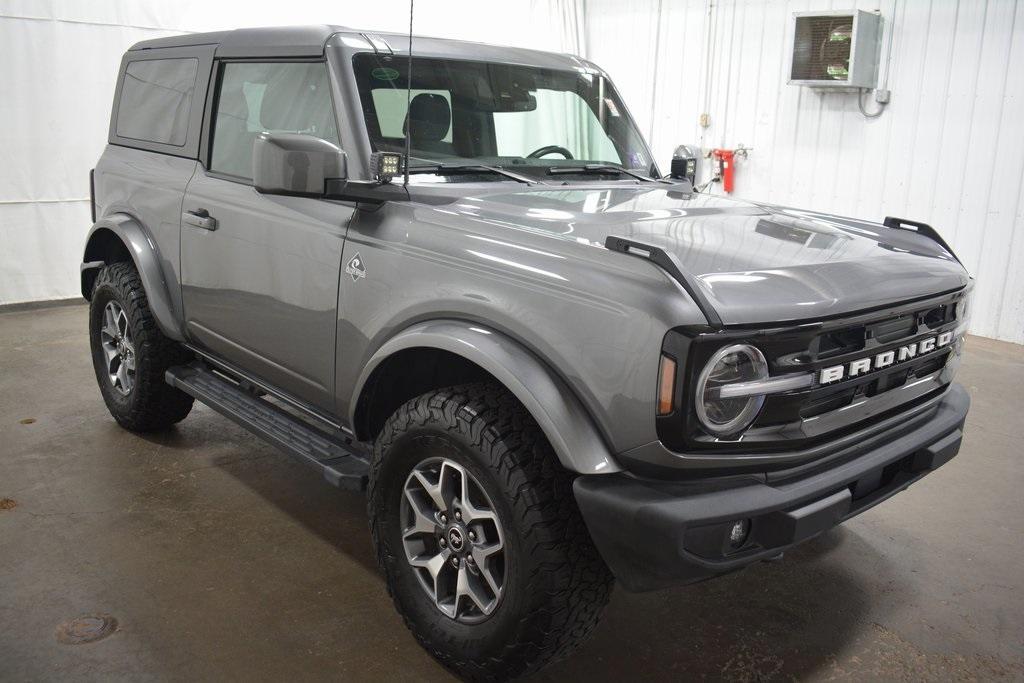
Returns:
(430, 117)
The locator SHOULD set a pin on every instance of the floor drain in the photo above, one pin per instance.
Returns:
(7, 504)
(27, 420)
(87, 628)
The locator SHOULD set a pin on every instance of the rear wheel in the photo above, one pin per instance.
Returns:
(477, 531)
(130, 354)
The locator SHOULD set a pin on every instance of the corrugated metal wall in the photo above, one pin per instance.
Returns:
(949, 149)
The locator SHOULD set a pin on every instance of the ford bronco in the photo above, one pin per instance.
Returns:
(457, 279)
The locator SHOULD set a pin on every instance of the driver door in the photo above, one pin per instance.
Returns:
(259, 272)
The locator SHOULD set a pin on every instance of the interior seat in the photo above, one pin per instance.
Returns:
(428, 123)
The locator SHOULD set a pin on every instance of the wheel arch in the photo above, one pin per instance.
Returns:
(459, 351)
(119, 237)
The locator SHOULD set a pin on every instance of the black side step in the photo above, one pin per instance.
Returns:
(671, 265)
(340, 464)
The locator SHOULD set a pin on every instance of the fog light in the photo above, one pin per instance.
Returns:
(738, 533)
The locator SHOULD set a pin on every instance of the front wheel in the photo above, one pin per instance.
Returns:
(477, 531)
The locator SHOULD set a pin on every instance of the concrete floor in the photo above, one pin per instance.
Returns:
(223, 559)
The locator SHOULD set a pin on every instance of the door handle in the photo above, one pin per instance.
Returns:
(200, 218)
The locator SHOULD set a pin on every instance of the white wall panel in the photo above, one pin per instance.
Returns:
(949, 149)
(58, 67)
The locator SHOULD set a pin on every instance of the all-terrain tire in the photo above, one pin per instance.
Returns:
(556, 586)
(151, 403)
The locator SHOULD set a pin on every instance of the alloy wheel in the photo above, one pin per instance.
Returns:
(453, 540)
(118, 348)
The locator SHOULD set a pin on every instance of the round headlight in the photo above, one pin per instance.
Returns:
(731, 365)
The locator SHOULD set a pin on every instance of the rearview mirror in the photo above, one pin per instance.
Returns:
(294, 164)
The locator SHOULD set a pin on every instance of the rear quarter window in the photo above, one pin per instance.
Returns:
(156, 100)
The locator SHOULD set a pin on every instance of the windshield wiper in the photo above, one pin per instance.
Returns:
(598, 169)
(456, 169)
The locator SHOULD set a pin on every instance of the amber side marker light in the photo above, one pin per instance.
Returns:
(666, 385)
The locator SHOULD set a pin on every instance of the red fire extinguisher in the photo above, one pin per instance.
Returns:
(727, 164)
(725, 159)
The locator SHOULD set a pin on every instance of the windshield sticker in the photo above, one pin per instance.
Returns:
(385, 73)
(612, 109)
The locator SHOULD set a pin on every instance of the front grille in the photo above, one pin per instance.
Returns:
(801, 418)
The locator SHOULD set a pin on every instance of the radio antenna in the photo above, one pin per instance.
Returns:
(408, 102)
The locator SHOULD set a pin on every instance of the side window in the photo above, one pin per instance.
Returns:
(273, 97)
(156, 100)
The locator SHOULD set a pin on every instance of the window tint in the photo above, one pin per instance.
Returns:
(276, 98)
(156, 99)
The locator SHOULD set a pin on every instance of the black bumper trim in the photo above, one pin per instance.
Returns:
(654, 533)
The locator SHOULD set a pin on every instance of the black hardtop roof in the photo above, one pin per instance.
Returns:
(265, 42)
(309, 41)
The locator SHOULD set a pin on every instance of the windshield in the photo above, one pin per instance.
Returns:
(525, 119)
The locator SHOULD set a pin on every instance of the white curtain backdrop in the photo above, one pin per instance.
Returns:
(58, 65)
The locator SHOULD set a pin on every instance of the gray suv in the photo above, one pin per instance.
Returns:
(461, 282)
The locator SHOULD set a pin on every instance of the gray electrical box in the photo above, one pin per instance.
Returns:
(835, 49)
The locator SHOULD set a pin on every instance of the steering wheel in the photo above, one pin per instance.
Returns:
(549, 149)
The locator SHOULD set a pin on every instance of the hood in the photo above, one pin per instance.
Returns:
(755, 263)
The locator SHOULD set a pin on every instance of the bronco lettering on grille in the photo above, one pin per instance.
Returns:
(862, 366)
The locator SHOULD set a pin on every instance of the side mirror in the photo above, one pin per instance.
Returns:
(293, 164)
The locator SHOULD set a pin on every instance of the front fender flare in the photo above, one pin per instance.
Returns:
(146, 257)
(548, 399)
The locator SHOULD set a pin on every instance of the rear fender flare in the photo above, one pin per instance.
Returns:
(147, 262)
(549, 400)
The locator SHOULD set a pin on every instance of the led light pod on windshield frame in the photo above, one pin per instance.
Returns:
(385, 165)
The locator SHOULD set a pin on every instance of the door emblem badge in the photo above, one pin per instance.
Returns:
(355, 267)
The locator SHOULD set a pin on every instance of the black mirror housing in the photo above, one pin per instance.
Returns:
(294, 164)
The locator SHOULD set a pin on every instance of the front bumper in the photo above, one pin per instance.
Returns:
(654, 534)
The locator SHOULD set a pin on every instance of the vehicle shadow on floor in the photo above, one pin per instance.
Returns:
(336, 516)
(784, 619)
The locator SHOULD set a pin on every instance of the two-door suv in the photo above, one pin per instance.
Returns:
(551, 367)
